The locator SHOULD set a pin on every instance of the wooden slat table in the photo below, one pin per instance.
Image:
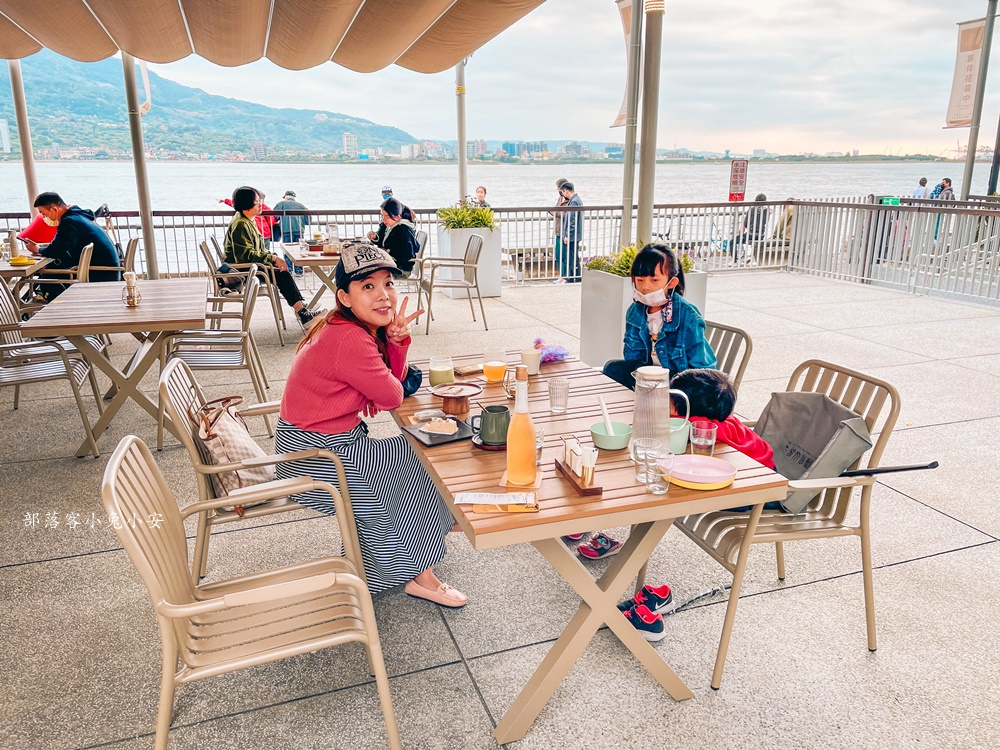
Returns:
(321, 265)
(460, 467)
(10, 272)
(167, 306)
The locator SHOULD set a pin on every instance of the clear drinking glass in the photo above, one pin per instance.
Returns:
(703, 438)
(558, 395)
(659, 462)
(640, 447)
(442, 370)
(539, 443)
(495, 364)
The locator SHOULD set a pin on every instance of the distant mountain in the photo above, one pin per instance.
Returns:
(83, 105)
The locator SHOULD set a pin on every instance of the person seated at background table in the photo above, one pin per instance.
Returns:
(661, 327)
(269, 226)
(404, 211)
(76, 229)
(480, 199)
(244, 244)
(353, 361)
(399, 238)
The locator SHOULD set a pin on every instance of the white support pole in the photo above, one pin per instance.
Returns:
(650, 105)
(139, 165)
(23, 132)
(463, 178)
(631, 118)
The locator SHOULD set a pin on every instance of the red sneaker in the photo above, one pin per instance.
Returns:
(600, 545)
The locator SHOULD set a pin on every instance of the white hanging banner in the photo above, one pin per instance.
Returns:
(625, 9)
(963, 86)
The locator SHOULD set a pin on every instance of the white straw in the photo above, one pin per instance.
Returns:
(607, 417)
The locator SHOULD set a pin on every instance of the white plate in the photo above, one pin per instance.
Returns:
(702, 469)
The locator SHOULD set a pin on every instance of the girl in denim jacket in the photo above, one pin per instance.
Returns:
(661, 327)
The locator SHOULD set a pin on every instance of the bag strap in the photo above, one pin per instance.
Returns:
(210, 411)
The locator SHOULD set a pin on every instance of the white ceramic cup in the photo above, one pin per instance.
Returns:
(531, 358)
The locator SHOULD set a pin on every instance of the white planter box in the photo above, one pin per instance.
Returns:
(696, 289)
(604, 299)
(452, 244)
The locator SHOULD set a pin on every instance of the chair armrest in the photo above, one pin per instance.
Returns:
(831, 483)
(272, 490)
(258, 461)
(268, 407)
(258, 594)
(444, 261)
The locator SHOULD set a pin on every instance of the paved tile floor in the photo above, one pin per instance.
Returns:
(80, 663)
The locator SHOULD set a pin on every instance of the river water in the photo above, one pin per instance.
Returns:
(196, 186)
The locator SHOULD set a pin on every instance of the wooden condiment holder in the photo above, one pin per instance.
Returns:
(574, 480)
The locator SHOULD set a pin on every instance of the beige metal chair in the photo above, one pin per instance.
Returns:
(222, 349)
(24, 361)
(732, 347)
(469, 280)
(412, 284)
(80, 273)
(721, 533)
(211, 629)
(269, 286)
(181, 396)
(220, 293)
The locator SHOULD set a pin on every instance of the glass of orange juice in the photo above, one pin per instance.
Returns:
(495, 364)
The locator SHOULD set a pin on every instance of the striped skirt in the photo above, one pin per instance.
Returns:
(402, 519)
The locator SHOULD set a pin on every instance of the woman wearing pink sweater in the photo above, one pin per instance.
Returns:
(351, 364)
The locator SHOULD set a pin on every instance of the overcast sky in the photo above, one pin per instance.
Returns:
(784, 75)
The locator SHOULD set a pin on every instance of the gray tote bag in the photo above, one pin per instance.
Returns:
(813, 437)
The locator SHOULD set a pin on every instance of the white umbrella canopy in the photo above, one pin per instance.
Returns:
(427, 36)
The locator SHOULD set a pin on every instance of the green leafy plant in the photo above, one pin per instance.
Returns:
(466, 216)
(619, 262)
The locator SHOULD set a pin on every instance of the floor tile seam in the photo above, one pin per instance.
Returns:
(950, 517)
(267, 706)
(849, 574)
(468, 670)
(957, 362)
(189, 537)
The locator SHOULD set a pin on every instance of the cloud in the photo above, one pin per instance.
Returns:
(784, 75)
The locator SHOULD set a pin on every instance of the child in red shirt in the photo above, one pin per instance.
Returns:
(712, 398)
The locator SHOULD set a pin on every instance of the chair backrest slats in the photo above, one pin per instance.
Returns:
(421, 237)
(181, 396)
(150, 528)
(10, 320)
(732, 347)
(472, 251)
(83, 267)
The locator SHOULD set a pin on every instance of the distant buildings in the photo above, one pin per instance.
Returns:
(475, 148)
(525, 149)
(258, 152)
(350, 145)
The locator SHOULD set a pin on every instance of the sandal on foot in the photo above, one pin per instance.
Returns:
(444, 594)
(600, 545)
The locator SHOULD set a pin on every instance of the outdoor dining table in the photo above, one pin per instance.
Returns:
(167, 306)
(460, 467)
(319, 263)
(10, 272)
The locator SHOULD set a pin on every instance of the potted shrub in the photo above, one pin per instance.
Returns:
(455, 225)
(607, 293)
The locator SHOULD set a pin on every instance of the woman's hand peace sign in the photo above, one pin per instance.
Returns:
(399, 329)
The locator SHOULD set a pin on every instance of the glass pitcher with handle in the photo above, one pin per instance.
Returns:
(651, 408)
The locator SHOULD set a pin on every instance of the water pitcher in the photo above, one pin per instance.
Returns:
(651, 410)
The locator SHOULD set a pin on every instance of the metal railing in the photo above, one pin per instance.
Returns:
(923, 246)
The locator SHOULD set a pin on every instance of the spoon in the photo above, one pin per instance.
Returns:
(607, 417)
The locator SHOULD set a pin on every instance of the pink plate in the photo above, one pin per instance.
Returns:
(702, 469)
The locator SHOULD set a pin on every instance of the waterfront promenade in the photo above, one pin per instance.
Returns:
(81, 663)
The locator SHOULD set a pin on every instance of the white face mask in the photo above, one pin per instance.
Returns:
(657, 298)
(50, 222)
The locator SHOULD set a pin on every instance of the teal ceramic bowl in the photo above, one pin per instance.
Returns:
(616, 442)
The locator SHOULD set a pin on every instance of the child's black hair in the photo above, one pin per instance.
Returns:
(710, 392)
(654, 256)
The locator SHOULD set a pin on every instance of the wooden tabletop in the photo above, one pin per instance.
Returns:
(167, 305)
(304, 257)
(9, 271)
(461, 467)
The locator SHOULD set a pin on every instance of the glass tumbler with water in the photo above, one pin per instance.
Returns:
(640, 448)
(659, 462)
(703, 438)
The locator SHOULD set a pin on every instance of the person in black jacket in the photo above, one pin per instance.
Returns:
(399, 238)
(76, 230)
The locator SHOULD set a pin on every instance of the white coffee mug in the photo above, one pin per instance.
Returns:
(532, 358)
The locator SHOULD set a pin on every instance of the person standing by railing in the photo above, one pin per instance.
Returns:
(571, 230)
(291, 226)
